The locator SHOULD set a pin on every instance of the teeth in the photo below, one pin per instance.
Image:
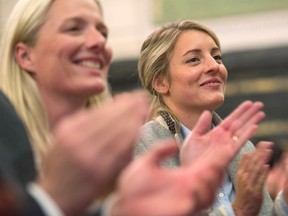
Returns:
(211, 83)
(90, 64)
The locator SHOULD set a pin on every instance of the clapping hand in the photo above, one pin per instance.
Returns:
(225, 140)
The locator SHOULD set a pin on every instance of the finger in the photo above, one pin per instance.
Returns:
(258, 161)
(203, 124)
(161, 151)
(251, 116)
(259, 175)
(243, 163)
(242, 174)
(257, 106)
(268, 147)
(264, 145)
(238, 111)
(255, 166)
(243, 137)
(241, 115)
(128, 95)
(264, 175)
(241, 125)
(130, 109)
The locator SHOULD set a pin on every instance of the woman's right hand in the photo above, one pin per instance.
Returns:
(250, 180)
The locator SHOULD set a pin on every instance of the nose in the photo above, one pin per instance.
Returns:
(212, 66)
(95, 40)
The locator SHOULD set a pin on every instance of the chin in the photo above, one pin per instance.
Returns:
(96, 88)
(91, 92)
(215, 104)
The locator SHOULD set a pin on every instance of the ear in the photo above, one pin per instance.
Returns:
(22, 54)
(161, 85)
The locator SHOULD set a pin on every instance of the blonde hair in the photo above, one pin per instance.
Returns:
(23, 25)
(155, 56)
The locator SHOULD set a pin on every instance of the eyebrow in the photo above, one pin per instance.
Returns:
(215, 49)
(82, 20)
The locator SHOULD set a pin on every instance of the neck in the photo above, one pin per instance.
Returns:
(187, 115)
(189, 119)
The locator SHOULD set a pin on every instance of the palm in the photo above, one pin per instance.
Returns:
(219, 142)
(181, 195)
(216, 143)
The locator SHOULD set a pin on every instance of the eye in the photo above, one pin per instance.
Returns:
(105, 34)
(103, 30)
(73, 28)
(218, 58)
(192, 60)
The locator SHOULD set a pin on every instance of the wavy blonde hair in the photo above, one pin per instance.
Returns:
(23, 25)
(155, 56)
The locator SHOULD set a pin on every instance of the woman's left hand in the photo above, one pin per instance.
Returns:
(224, 141)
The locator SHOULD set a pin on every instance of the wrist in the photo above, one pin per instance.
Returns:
(237, 210)
(44, 200)
(115, 206)
(65, 204)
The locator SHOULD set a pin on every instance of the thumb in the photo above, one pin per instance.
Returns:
(161, 151)
(203, 124)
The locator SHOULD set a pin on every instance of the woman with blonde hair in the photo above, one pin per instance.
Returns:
(53, 63)
(181, 66)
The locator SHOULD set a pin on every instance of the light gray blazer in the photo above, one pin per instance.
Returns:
(156, 130)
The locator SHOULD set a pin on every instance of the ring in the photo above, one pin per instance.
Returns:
(235, 138)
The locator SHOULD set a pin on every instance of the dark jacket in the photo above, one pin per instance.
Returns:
(17, 166)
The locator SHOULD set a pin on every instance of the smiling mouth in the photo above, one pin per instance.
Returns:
(90, 64)
(211, 84)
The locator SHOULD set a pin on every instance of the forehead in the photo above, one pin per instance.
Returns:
(194, 37)
(65, 9)
(192, 41)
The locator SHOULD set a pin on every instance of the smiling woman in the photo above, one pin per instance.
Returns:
(180, 64)
(54, 62)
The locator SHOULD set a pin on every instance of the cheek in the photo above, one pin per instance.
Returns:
(181, 84)
(108, 54)
(224, 73)
(51, 54)
(50, 66)
(192, 78)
